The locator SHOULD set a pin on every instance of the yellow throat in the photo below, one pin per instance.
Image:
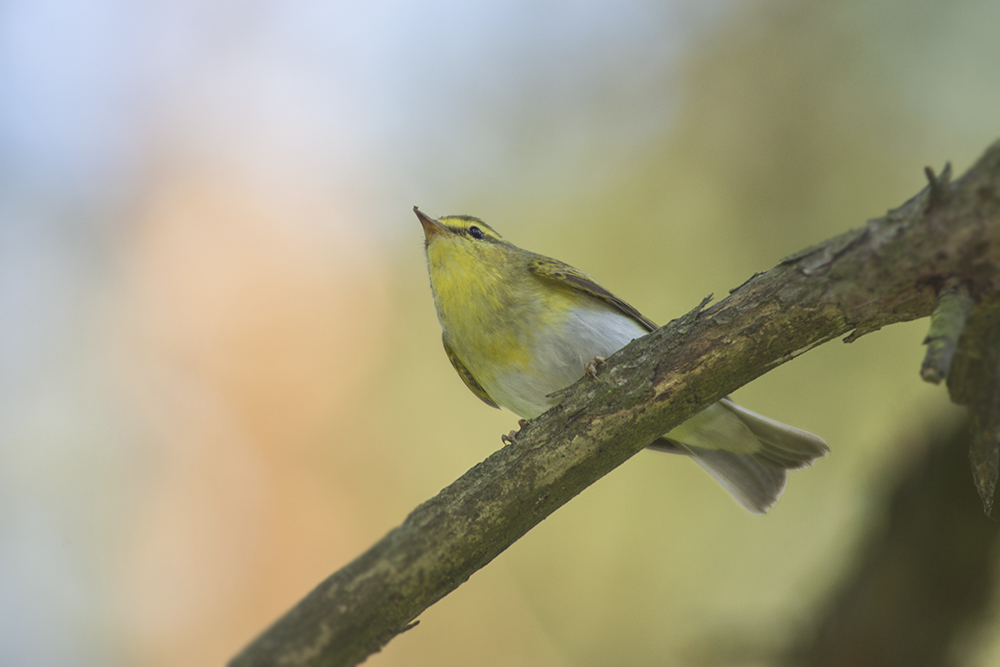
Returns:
(512, 320)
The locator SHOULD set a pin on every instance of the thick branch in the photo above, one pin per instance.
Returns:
(890, 270)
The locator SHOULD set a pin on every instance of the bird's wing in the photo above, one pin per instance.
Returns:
(564, 274)
(466, 376)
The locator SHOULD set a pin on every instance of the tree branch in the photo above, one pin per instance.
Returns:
(891, 270)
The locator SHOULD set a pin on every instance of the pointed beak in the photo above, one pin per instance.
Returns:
(431, 226)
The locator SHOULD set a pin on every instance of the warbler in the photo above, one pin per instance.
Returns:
(518, 327)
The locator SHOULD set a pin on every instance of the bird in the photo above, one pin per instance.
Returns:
(518, 327)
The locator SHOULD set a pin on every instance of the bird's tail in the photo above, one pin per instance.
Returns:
(747, 453)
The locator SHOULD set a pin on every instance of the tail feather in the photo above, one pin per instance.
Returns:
(757, 485)
(790, 447)
(750, 464)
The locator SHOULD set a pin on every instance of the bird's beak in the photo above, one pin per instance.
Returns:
(431, 226)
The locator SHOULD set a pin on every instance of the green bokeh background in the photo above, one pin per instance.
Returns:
(671, 150)
(788, 123)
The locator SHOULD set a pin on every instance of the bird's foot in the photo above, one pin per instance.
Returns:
(591, 367)
(511, 437)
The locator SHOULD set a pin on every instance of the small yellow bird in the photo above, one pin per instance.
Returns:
(518, 327)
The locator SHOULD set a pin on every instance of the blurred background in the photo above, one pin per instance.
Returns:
(221, 375)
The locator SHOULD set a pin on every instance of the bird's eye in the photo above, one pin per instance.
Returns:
(476, 233)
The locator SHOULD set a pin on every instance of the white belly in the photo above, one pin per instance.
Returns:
(560, 357)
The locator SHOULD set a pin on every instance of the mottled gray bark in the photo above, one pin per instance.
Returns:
(893, 269)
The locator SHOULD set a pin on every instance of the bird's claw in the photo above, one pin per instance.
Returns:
(592, 365)
(511, 437)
